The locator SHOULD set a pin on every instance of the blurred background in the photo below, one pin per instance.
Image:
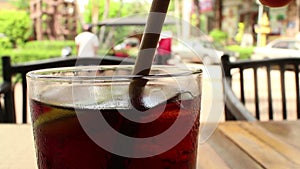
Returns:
(243, 29)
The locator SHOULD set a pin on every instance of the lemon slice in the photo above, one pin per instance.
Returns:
(52, 115)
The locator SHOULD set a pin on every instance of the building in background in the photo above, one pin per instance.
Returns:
(6, 5)
(284, 21)
(54, 19)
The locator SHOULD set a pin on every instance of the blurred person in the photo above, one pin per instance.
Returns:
(164, 51)
(87, 43)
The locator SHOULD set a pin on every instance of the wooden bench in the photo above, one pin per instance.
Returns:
(9, 70)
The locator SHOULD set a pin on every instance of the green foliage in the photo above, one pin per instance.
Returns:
(240, 33)
(26, 55)
(87, 15)
(128, 8)
(38, 50)
(280, 17)
(244, 52)
(113, 10)
(136, 7)
(16, 25)
(21, 4)
(5, 43)
(218, 36)
(48, 45)
(5, 52)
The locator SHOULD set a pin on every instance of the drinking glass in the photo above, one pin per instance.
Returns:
(105, 117)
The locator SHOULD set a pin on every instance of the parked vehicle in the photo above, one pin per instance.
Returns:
(199, 50)
(128, 48)
(133, 25)
(282, 47)
(196, 50)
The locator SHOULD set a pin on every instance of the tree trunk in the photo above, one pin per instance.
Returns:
(218, 14)
(108, 41)
(195, 32)
(105, 16)
(95, 12)
(178, 14)
(80, 17)
(293, 17)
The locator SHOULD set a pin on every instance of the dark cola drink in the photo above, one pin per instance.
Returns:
(62, 143)
(103, 117)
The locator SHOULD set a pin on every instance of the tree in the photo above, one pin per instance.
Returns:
(105, 16)
(218, 14)
(21, 4)
(196, 17)
(95, 10)
(292, 14)
(197, 10)
(15, 25)
(98, 10)
(111, 33)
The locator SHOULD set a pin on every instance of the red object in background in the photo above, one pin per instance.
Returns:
(206, 5)
(121, 54)
(275, 3)
(164, 46)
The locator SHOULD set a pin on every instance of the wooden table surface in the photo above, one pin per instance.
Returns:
(236, 145)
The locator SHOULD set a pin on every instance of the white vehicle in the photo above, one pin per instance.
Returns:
(197, 51)
(282, 47)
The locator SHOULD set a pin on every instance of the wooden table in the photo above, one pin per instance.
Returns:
(243, 145)
(237, 145)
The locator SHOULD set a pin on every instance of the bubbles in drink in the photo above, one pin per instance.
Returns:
(64, 144)
(62, 141)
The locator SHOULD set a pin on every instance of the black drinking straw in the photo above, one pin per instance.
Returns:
(151, 36)
(147, 51)
(142, 67)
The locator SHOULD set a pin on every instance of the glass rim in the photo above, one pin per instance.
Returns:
(47, 73)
